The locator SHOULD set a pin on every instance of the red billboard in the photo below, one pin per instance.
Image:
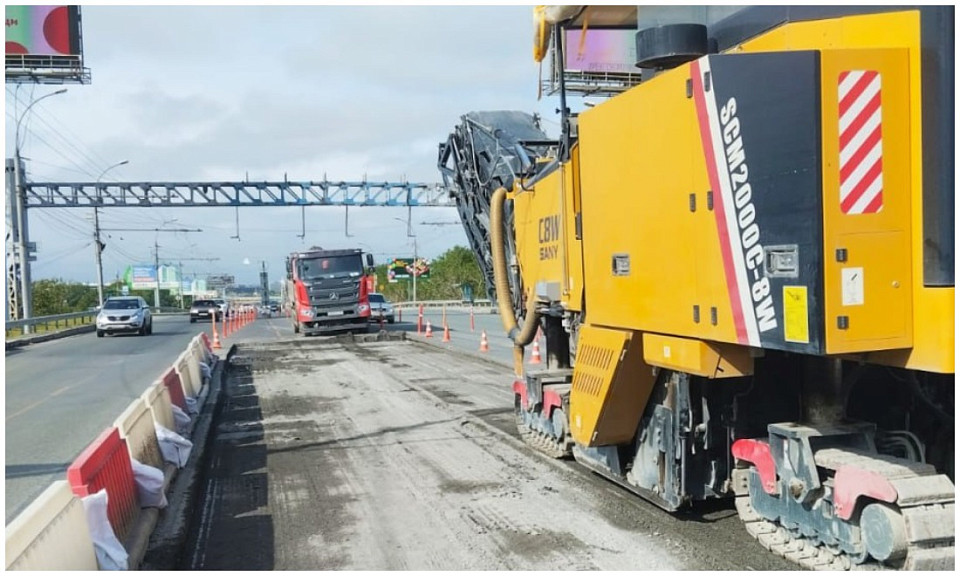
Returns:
(43, 30)
(44, 44)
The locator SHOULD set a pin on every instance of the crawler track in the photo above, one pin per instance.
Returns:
(928, 514)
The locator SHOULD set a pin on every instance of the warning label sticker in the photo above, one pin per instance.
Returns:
(795, 326)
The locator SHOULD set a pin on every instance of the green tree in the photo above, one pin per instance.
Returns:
(448, 272)
(59, 297)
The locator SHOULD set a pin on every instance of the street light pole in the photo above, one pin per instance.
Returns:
(97, 246)
(415, 258)
(20, 191)
(410, 234)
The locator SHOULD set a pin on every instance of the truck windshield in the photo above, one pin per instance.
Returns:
(325, 267)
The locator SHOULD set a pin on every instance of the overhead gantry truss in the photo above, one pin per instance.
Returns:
(219, 194)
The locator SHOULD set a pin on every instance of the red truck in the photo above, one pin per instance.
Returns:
(329, 290)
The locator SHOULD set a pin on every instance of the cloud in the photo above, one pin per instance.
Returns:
(224, 93)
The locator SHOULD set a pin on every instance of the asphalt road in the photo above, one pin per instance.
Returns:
(331, 454)
(61, 394)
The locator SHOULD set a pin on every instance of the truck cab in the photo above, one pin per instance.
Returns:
(329, 290)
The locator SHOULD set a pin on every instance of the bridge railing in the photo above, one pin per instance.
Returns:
(51, 323)
(55, 322)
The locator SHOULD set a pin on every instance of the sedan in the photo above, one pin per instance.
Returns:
(124, 314)
(380, 308)
(205, 310)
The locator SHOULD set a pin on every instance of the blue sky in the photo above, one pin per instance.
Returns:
(227, 92)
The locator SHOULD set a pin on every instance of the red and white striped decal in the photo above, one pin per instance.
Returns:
(861, 142)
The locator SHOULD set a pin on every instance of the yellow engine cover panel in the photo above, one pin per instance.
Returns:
(640, 161)
(547, 248)
(611, 386)
(866, 200)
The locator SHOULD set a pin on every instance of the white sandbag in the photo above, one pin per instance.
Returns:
(110, 552)
(192, 408)
(205, 371)
(149, 482)
(181, 420)
(174, 447)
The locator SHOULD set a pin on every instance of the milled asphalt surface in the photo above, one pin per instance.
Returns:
(393, 455)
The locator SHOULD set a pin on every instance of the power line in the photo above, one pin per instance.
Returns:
(56, 131)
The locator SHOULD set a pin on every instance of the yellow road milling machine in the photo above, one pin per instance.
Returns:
(741, 255)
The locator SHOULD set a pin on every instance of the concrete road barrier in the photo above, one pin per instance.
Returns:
(171, 379)
(105, 463)
(136, 427)
(189, 374)
(51, 534)
(157, 398)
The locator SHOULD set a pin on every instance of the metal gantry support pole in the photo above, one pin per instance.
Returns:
(12, 236)
(22, 252)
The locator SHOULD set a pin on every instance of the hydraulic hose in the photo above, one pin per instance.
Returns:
(520, 336)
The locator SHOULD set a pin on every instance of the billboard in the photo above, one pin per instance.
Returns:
(43, 30)
(144, 277)
(44, 45)
(601, 51)
(401, 268)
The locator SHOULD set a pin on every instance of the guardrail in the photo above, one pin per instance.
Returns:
(54, 322)
(441, 303)
(45, 323)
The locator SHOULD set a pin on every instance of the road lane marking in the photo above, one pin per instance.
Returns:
(23, 411)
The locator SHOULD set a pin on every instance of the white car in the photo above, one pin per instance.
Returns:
(124, 314)
(380, 308)
(224, 306)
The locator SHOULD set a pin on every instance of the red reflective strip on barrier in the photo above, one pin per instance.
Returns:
(850, 482)
(520, 388)
(105, 464)
(206, 342)
(172, 381)
(757, 452)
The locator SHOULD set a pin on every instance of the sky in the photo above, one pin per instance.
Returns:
(226, 93)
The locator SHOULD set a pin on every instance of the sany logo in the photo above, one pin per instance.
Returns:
(549, 232)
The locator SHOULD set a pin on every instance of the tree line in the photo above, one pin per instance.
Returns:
(449, 273)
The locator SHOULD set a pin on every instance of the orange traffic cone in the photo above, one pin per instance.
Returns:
(216, 337)
(429, 333)
(484, 345)
(535, 357)
(446, 333)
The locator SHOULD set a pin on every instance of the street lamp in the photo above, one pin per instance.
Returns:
(415, 256)
(22, 214)
(97, 246)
